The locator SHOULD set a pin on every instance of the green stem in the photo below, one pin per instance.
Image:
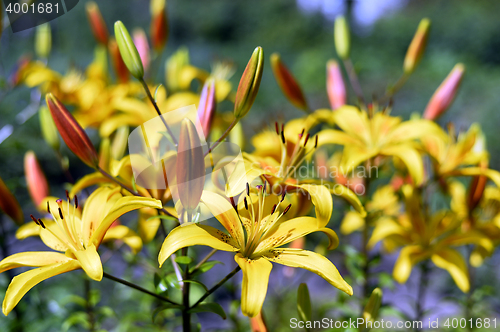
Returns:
(153, 101)
(226, 133)
(186, 316)
(213, 289)
(205, 259)
(424, 274)
(89, 307)
(469, 301)
(395, 88)
(139, 288)
(353, 79)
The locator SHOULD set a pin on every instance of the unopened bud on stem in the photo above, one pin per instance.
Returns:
(249, 83)
(342, 37)
(287, 82)
(417, 46)
(335, 85)
(128, 51)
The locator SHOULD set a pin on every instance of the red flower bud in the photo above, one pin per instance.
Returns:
(207, 106)
(71, 132)
(9, 204)
(35, 178)
(287, 82)
(445, 93)
(121, 70)
(335, 85)
(159, 24)
(97, 23)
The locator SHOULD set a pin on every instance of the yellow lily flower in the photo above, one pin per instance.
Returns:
(277, 160)
(77, 239)
(423, 237)
(255, 232)
(365, 137)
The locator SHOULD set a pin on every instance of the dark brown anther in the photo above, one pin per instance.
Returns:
(67, 195)
(274, 209)
(40, 222)
(265, 187)
(287, 208)
(283, 137)
(307, 138)
(277, 127)
(283, 127)
(248, 190)
(76, 202)
(60, 213)
(315, 141)
(48, 207)
(246, 203)
(283, 196)
(33, 218)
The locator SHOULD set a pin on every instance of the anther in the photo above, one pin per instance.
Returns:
(33, 218)
(248, 190)
(265, 186)
(67, 195)
(307, 138)
(283, 196)
(276, 126)
(287, 208)
(283, 127)
(283, 137)
(274, 209)
(246, 203)
(316, 141)
(40, 222)
(48, 207)
(259, 187)
(76, 202)
(60, 213)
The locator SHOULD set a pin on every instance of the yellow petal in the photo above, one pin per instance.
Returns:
(122, 232)
(353, 221)
(87, 181)
(411, 158)
(27, 230)
(225, 214)
(254, 285)
(52, 241)
(194, 234)
(148, 227)
(354, 122)
(122, 206)
(22, 283)
(350, 197)
(90, 262)
(332, 136)
(32, 258)
(408, 257)
(321, 198)
(385, 227)
(472, 171)
(454, 263)
(413, 129)
(244, 172)
(310, 261)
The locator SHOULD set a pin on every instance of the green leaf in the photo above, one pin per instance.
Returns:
(94, 297)
(106, 311)
(77, 318)
(304, 303)
(173, 281)
(186, 260)
(209, 307)
(205, 267)
(197, 283)
(134, 186)
(164, 307)
(78, 300)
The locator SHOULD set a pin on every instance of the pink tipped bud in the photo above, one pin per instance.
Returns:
(159, 24)
(141, 43)
(9, 204)
(288, 84)
(445, 93)
(207, 106)
(335, 85)
(35, 178)
(71, 132)
(97, 23)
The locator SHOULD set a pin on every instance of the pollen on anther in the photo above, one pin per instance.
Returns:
(276, 126)
(40, 222)
(274, 209)
(76, 202)
(60, 213)
(246, 203)
(34, 219)
(307, 138)
(248, 190)
(48, 207)
(283, 137)
(67, 195)
(316, 141)
(287, 208)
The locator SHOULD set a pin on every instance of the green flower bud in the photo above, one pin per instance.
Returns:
(417, 46)
(128, 51)
(249, 83)
(43, 41)
(342, 37)
(48, 127)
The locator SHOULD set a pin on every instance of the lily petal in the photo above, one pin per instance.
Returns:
(32, 258)
(451, 260)
(27, 230)
(122, 232)
(352, 222)
(321, 198)
(221, 209)
(194, 234)
(411, 158)
(254, 285)
(90, 261)
(385, 227)
(310, 261)
(22, 283)
(408, 257)
(350, 197)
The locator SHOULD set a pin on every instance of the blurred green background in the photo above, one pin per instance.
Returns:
(466, 31)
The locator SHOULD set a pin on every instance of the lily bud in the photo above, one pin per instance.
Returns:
(97, 24)
(104, 153)
(342, 37)
(43, 40)
(417, 46)
(36, 181)
(476, 188)
(190, 166)
(119, 144)
(249, 84)
(335, 86)
(48, 127)
(304, 303)
(71, 132)
(141, 41)
(207, 106)
(128, 51)
(121, 70)
(9, 204)
(445, 93)
(159, 24)
(372, 307)
(287, 82)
